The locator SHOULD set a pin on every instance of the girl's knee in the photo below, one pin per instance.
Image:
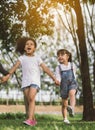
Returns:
(31, 99)
(72, 91)
(64, 105)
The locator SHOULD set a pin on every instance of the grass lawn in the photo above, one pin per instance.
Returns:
(11, 121)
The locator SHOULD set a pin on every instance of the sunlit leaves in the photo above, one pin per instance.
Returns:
(8, 24)
(38, 20)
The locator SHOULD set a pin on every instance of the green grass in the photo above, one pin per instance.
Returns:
(11, 121)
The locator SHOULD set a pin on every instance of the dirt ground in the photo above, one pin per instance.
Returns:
(40, 109)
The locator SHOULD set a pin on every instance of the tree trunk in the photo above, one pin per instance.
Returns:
(88, 111)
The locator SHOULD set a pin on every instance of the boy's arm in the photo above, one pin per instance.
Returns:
(47, 70)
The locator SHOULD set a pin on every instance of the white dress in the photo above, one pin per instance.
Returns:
(30, 70)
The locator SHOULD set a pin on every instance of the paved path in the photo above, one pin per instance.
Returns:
(40, 109)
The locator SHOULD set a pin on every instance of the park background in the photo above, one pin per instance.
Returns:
(55, 25)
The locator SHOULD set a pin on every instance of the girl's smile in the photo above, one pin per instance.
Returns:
(29, 47)
(63, 59)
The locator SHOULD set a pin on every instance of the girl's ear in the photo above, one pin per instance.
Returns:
(24, 49)
(34, 49)
(70, 58)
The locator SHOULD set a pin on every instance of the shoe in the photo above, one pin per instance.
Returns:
(70, 110)
(66, 121)
(35, 122)
(30, 122)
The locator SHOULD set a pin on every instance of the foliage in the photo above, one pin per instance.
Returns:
(9, 27)
(12, 116)
(19, 18)
(84, 36)
(38, 19)
(32, 18)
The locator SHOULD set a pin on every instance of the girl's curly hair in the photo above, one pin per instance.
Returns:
(21, 44)
(64, 51)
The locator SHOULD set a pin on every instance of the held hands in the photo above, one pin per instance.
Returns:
(4, 78)
(57, 82)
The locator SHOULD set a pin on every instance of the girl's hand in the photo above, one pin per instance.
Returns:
(5, 78)
(57, 82)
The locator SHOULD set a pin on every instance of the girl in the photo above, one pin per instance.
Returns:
(30, 74)
(65, 72)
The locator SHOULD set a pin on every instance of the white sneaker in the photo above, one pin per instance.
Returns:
(70, 110)
(66, 121)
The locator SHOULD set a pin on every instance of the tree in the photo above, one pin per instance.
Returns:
(90, 33)
(17, 18)
(37, 18)
(10, 30)
(88, 111)
(23, 18)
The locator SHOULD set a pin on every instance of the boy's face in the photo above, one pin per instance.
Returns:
(29, 47)
(63, 58)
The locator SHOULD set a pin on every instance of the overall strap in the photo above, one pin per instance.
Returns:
(71, 65)
(59, 69)
(72, 69)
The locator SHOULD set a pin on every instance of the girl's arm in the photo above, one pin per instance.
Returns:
(47, 70)
(58, 73)
(5, 78)
(74, 70)
(12, 70)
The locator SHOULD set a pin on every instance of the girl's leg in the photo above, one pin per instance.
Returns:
(64, 108)
(72, 98)
(32, 94)
(26, 106)
(26, 96)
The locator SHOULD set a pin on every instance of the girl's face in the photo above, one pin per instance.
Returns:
(29, 47)
(63, 58)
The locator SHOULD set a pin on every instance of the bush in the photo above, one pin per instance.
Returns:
(11, 102)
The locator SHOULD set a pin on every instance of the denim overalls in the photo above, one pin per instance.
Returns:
(68, 82)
